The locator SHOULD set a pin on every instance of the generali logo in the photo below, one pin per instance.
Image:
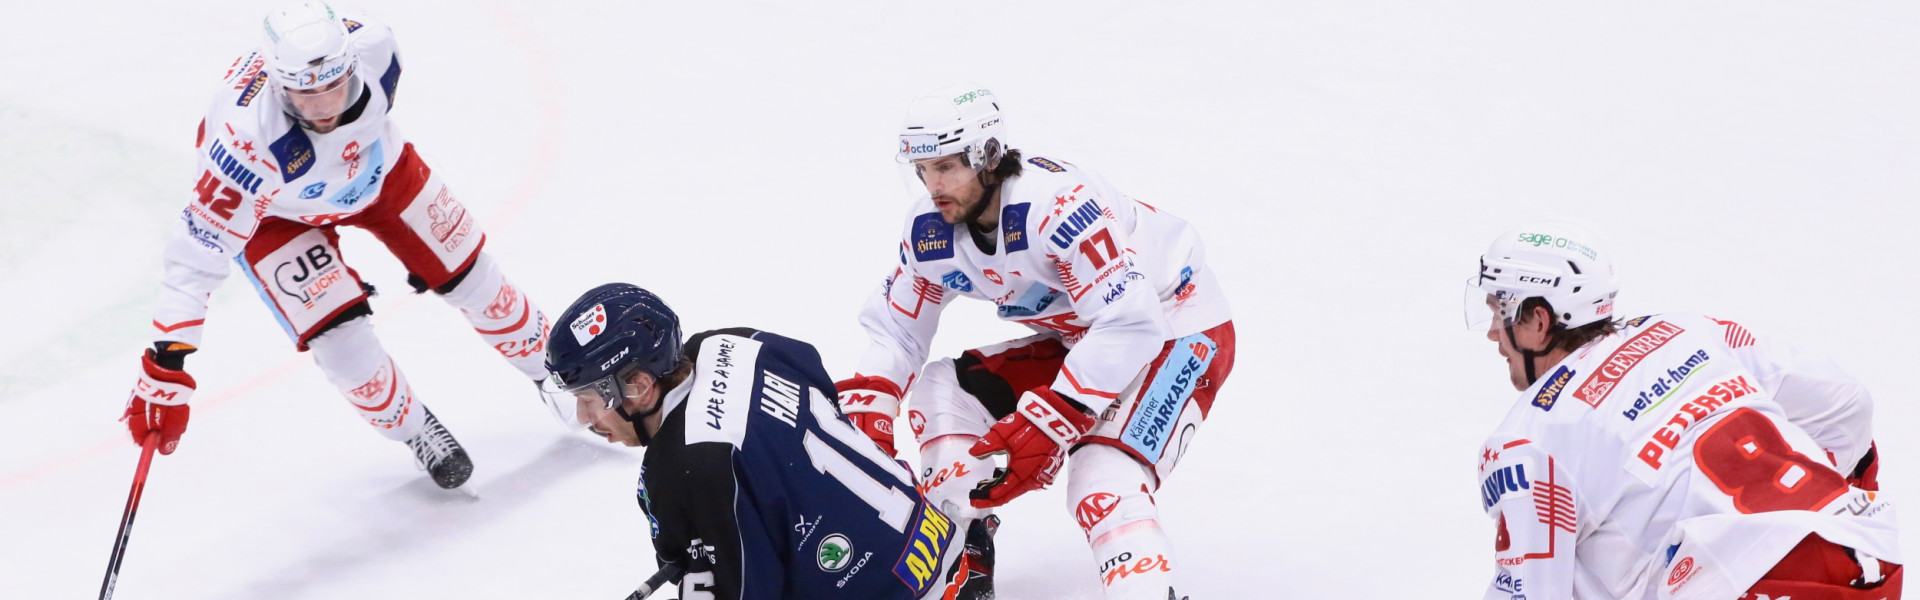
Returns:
(1607, 376)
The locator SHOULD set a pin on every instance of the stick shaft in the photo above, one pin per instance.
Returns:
(667, 574)
(126, 518)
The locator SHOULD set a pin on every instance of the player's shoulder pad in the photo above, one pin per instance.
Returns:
(1066, 207)
(1047, 164)
(379, 55)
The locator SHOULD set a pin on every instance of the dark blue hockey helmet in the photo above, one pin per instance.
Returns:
(610, 333)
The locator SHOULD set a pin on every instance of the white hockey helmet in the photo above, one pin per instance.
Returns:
(1556, 261)
(307, 52)
(957, 119)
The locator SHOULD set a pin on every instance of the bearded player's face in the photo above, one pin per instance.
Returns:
(955, 187)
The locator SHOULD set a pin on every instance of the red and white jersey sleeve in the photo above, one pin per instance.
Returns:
(1536, 516)
(1659, 463)
(1112, 277)
(254, 163)
(900, 321)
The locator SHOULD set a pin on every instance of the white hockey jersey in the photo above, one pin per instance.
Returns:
(255, 162)
(1113, 277)
(1679, 458)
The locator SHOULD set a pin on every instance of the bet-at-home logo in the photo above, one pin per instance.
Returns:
(835, 552)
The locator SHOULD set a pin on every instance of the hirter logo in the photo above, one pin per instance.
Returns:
(1607, 376)
(589, 324)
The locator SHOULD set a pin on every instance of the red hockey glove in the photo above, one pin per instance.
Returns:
(871, 403)
(1035, 438)
(159, 399)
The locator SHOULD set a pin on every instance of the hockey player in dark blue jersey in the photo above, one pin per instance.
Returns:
(753, 481)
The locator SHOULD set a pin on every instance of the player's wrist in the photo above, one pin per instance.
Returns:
(866, 394)
(171, 355)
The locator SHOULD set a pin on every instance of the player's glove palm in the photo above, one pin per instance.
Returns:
(159, 399)
(871, 403)
(1035, 439)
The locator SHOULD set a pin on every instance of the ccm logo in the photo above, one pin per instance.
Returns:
(1057, 428)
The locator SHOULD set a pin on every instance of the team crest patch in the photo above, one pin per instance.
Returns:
(295, 153)
(834, 553)
(1013, 226)
(589, 324)
(932, 238)
(1550, 393)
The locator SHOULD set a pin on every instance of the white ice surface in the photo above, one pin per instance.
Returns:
(1346, 161)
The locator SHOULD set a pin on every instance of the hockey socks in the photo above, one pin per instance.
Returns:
(1113, 505)
(351, 356)
(505, 318)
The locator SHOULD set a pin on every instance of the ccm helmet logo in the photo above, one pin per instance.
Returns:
(616, 358)
(1538, 279)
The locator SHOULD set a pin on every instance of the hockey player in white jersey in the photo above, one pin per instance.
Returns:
(1671, 455)
(1133, 340)
(297, 143)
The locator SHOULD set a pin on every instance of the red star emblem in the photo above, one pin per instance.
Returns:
(247, 146)
(1059, 200)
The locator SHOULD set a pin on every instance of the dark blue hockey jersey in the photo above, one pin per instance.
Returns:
(762, 490)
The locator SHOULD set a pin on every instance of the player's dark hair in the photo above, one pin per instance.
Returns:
(1008, 168)
(1566, 338)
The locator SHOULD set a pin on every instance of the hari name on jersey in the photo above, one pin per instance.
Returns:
(1679, 458)
(760, 487)
(1113, 277)
(256, 162)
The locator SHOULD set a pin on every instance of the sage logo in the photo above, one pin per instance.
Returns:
(1543, 239)
(834, 553)
(971, 96)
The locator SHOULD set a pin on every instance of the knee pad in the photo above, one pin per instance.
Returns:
(505, 318)
(949, 472)
(1107, 492)
(352, 359)
(937, 407)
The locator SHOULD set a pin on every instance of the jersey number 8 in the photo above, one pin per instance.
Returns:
(1747, 458)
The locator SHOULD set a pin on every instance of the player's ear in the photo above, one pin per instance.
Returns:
(637, 387)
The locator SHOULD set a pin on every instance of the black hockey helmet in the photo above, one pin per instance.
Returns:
(611, 332)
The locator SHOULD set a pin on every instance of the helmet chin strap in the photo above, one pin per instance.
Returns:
(1527, 356)
(637, 419)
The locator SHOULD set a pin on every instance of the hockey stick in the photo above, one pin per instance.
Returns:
(126, 519)
(669, 573)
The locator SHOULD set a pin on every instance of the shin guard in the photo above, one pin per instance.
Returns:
(505, 318)
(353, 360)
(1110, 496)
